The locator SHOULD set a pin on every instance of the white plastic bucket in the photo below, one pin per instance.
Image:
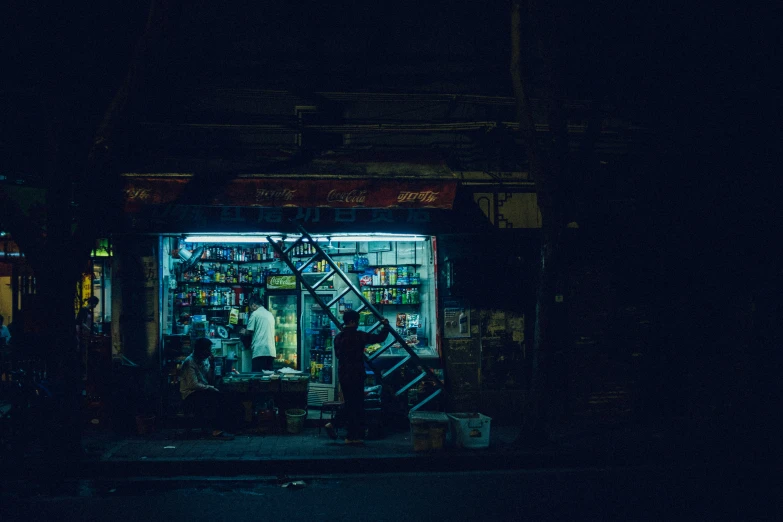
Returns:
(294, 420)
(471, 430)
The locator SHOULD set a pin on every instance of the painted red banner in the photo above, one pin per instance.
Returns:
(361, 193)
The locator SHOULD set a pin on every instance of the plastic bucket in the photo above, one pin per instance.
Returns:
(471, 429)
(294, 420)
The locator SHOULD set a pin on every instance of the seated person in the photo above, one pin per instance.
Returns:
(5, 334)
(201, 397)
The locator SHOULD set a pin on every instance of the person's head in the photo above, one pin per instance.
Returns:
(92, 302)
(202, 349)
(2, 320)
(351, 318)
(255, 302)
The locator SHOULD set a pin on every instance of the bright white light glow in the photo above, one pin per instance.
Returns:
(257, 238)
(386, 237)
(321, 238)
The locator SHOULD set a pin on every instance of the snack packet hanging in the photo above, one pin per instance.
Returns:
(413, 321)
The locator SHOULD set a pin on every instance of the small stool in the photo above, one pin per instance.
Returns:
(186, 421)
(330, 407)
(373, 420)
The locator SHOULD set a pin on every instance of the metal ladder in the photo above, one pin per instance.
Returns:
(411, 361)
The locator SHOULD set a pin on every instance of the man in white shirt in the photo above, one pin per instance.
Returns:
(261, 328)
(201, 397)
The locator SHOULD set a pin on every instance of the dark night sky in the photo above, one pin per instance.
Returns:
(668, 58)
(696, 73)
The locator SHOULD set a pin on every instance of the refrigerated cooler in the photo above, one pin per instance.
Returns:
(317, 353)
(284, 306)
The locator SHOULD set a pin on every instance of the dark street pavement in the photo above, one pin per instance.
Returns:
(177, 452)
(167, 452)
(623, 494)
(608, 473)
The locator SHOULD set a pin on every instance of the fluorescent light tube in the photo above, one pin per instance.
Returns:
(364, 238)
(261, 238)
(229, 239)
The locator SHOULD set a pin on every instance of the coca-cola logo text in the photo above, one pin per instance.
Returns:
(351, 196)
(281, 282)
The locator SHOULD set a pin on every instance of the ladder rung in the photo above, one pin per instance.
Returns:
(339, 296)
(428, 399)
(395, 367)
(308, 262)
(363, 305)
(323, 279)
(414, 381)
(293, 245)
(377, 353)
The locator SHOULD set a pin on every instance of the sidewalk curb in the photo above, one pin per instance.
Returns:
(445, 462)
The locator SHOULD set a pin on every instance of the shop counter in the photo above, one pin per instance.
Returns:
(285, 391)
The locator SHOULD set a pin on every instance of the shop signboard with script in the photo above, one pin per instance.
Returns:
(281, 282)
(256, 192)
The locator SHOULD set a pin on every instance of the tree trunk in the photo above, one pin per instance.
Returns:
(55, 293)
(58, 251)
(547, 331)
(547, 168)
(56, 279)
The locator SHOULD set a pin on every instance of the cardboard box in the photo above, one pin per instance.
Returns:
(428, 430)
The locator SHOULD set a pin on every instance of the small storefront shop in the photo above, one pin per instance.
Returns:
(203, 262)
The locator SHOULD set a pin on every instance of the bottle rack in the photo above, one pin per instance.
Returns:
(231, 261)
(392, 294)
(384, 265)
(214, 283)
(364, 268)
(233, 254)
(407, 285)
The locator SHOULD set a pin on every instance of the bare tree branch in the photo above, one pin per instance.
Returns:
(158, 19)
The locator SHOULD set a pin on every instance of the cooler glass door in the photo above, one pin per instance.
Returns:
(283, 308)
(317, 349)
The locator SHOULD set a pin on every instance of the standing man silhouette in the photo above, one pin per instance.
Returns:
(349, 348)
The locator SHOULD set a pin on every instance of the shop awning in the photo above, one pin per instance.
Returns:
(143, 190)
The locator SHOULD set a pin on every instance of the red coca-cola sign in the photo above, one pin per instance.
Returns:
(264, 192)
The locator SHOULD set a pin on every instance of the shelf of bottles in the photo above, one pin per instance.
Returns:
(195, 296)
(283, 309)
(286, 344)
(390, 285)
(216, 272)
(391, 295)
(231, 265)
(361, 264)
(321, 355)
(249, 254)
(318, 345)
